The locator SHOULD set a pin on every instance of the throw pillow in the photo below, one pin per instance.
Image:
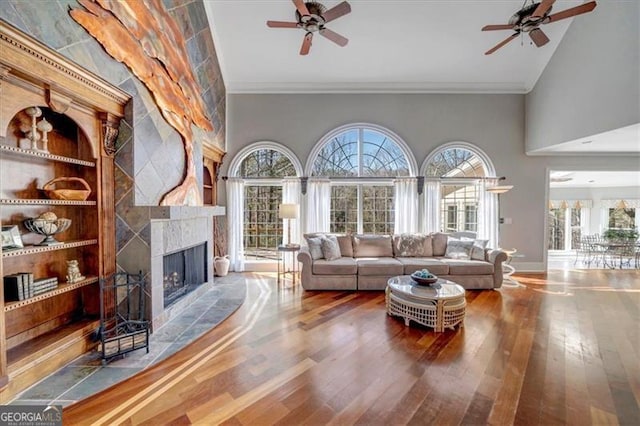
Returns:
(409, 245)
(331, 248)
(477, 250)
(458, 249)
(315, 247)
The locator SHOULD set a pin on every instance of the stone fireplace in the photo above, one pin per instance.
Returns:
(182, 236)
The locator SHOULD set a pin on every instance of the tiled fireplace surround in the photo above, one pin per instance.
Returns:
(174, 229)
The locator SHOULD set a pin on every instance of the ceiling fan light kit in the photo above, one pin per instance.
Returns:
(529, 18)
(312, 17)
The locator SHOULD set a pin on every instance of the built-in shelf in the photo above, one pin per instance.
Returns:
(41, 249)
(62, 288)
(46, 202)
(46, 156)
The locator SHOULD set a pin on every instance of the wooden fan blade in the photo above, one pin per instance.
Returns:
(497, 27)
(573, 11)
(538, 37)
(302, 8)
(306, 44)
(502, 43)
(542, 8)
(281, 24)
(336, 12)
(334, 37)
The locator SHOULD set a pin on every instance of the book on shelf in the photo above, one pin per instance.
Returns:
(27, 284)
(13, 288)
(22, 286)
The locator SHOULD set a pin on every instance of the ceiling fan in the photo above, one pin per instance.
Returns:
(529, 18)
(312, 17)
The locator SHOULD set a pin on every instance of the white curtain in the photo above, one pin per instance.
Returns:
(406, 205)
(235, 217)
(432, 191)
(488, 214)
(318, 205)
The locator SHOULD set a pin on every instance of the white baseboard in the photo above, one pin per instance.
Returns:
(529, 267)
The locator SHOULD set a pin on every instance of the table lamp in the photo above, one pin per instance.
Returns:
(289, 212)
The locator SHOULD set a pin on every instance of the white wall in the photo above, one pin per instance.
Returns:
(592, 83)
(495, 123)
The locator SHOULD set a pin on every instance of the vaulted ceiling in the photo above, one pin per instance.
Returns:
(394, 46)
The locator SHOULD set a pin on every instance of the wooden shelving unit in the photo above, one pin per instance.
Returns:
(39, 334)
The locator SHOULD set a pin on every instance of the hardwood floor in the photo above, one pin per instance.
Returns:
(564, 349)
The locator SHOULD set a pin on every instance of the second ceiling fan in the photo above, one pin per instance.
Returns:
(312, 17)
(529, 18)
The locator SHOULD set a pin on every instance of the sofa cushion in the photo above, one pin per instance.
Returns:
(469, 267)
(439, 243)
(346, 245)
(412, 245)
(372, 246)
(387, 266)
(458, 249)
(330, 247)
(412, 264)
(341, 266)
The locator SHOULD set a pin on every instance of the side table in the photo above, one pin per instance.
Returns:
(283, 271)
(509, 270)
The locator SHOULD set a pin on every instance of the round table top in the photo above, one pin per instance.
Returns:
(440, 290)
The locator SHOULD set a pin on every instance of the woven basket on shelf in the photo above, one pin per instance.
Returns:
(67, 194)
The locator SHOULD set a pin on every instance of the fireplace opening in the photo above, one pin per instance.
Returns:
(183, 272)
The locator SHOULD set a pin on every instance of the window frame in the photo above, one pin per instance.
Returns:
(360, 181)
(235, 168)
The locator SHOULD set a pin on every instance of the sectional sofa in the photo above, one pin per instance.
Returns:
(366, 262)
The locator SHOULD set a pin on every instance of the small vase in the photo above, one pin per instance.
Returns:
(221, 265)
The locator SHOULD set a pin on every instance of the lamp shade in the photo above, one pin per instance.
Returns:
(499, 189)
(288, 211)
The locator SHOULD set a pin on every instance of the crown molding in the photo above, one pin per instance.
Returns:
(239, 87)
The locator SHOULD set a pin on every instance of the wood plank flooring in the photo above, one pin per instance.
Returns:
(564, 349)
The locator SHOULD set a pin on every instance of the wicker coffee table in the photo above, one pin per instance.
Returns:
(440, 305)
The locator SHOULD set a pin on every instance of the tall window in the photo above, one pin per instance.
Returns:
(362, 163)
(622, 218)
(456, 169)
(262, 196)
(557, 218)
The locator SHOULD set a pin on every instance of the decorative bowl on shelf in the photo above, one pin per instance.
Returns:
(419, 279)
(67, 194)
(48, 225)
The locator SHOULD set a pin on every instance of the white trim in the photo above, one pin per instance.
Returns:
(234, 166)
(383, 87)
(487, 163)
(406, 150)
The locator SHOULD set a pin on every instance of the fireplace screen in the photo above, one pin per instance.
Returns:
(123, 327)
(184, 271)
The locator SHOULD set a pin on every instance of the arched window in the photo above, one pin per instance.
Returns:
(263, 167)
(459, 170)
(361, 161)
